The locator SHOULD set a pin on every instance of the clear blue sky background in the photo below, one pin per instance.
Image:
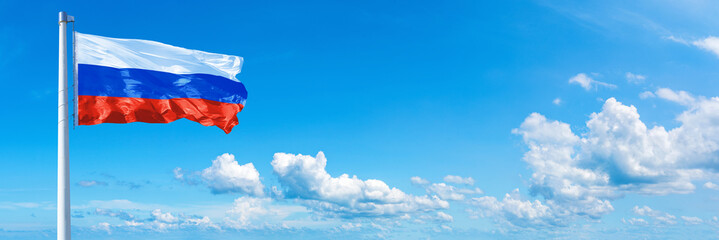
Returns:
(388, 90)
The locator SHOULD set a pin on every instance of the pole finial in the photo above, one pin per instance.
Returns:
(63, 17)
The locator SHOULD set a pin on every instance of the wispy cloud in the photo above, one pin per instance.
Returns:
(692, 220)
(635, 221)
(660, 216)
(588, 83)
(677, 40)
(646, 95)
(710, 44)
(21, 205)
(680, 97)
(557, 101)
(635, 78)
(91, 183)
(418, 180)
(458, 180)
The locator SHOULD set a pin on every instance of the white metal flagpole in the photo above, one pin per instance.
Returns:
(63, 152)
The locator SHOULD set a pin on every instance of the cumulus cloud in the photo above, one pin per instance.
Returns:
(619, 152)
(710, 44)
(635, 78)
(305, 178)
(588, 83)
(557, 101)
(227, 176)
(579, 175)
(459, 180)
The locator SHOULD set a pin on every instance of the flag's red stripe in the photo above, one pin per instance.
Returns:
(95, 110)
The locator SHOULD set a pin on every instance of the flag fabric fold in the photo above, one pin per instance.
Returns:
(129, 80)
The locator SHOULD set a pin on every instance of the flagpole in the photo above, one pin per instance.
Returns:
(63, 156)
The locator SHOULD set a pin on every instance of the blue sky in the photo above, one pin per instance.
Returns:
(452, 120)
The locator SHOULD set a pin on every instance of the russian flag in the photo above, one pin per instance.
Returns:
(129, 80)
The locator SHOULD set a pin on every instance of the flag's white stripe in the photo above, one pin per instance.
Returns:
(151, 55)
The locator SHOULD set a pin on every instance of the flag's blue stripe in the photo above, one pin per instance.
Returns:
(96, 80)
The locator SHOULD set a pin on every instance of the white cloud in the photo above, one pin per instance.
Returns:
(306, 179)
(515, 211)
(710, 44)
(711, 185)
(635, 78)
(158, 220)
(260, 212)
(646, 94)
(190, 178)
(350, 226)
(91, 183)
(444, 217)
(114, 213)
(246, 209)
(680, 97)
(660, 216)
(133, 223)
(448, 192)
(633, 157)
(617, 155)
(203, 222)
(714, 221)
(227, 176)
(179, 174)
(446, 228)
(438, 217)
(418, 180)
(635, 221)
(117, 204)
(18, 205)
(458, 180)
(557, 101)
(677, 40)
(103, 226)
(692, 220)
(588, 83)
(167, 217)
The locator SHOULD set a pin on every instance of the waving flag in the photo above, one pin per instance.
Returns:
(129, 80)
